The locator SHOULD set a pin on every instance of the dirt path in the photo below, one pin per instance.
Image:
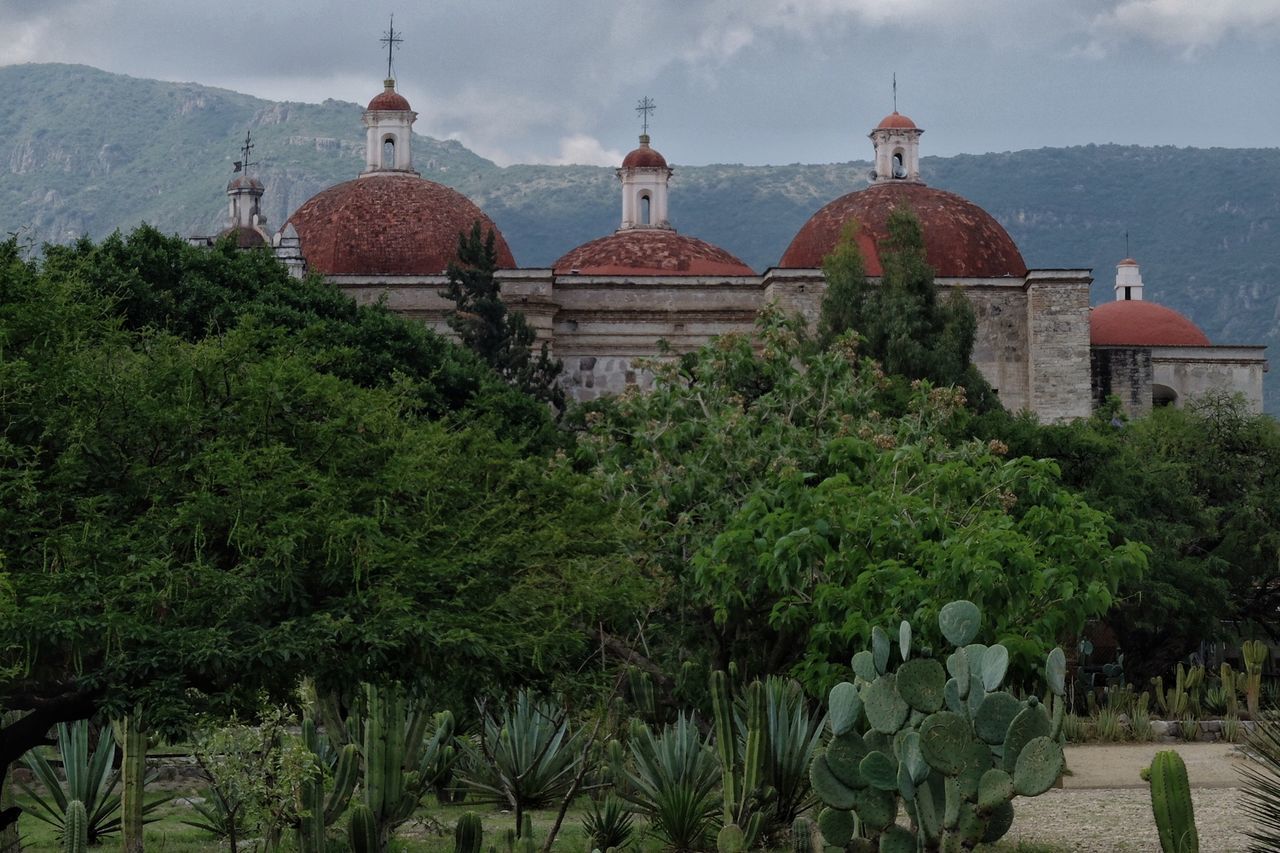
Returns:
(1104, 805)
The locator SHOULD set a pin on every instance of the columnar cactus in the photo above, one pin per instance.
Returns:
(945, 742)
(802, 835)
(321, 810)
(1255, 655)
(362, 830)
(75, 828)
(468, 835)
(133, 769)
(742, 775)
(1171, 802)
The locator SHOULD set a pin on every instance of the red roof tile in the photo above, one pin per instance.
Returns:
(961, 239)
(388, 225)
(644, 157)
(650, 251)
(1136, 322)
(389, 99)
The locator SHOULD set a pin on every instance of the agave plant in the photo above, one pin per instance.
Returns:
(90, 778)
(794, 733)
(1261, 786)
(674, 784)
(526, 756)
(607, 823)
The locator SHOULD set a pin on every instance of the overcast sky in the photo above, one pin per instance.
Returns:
(735, 81)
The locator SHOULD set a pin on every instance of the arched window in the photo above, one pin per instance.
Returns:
(1163, 395)
(899, 166)
(388, 153)
(644, 209)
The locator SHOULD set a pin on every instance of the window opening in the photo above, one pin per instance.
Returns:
(388, 154)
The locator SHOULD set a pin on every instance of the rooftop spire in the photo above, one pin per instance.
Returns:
(392, 40)
(644, 106)
(243, 164)
(895, 91)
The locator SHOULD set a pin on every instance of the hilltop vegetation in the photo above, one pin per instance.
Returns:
(86, 152)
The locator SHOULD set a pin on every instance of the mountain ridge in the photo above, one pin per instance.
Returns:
(85, 151)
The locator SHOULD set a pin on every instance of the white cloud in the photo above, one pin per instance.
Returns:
(1190, 25)
(581, 149)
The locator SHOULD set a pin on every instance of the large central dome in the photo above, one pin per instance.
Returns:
(650, 251)
(388, 224)
(961, 239)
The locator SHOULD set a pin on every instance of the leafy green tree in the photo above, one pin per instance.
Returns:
(194, 526)
(907, 327)
(1200, 487)
(503, 339)
(789, 514)
(158, 281)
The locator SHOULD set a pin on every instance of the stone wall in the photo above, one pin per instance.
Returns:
(1196, 371)
(1058, 344)
(1124, 372)
(1001, 345)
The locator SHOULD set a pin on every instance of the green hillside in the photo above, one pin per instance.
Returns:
(86, 152)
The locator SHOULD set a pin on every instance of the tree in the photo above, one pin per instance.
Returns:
(193, 526)
(157, 281)
(789, 514)
(503, 339)
(1199, 487)
(907, 327)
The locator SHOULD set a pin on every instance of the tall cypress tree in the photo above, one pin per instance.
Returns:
(908, 327)
(483, 324)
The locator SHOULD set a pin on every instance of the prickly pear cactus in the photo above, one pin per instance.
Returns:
(938, 738)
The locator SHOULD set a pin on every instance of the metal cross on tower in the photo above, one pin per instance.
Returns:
(392, 40)
(243, 164)
(645, 106)
(895, 91)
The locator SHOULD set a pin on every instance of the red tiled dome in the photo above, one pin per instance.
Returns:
(896, 121)
(644, 157)
(1136, 322)
(388, 225)
(650, 251)
(961, 239)
(389, 99)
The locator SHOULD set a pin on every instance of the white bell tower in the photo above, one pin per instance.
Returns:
(644, 175)
(1128, 281)
(388, 133)
(897, 145)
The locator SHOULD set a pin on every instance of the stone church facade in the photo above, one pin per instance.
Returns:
(609, 304)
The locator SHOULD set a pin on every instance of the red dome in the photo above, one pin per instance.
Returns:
(644, 157)
(961, 239)
(389, 99)
(650, 251)
(1135, 322)
(388, 225)
(896, 121)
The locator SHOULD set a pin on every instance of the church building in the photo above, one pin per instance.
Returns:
(608, 304)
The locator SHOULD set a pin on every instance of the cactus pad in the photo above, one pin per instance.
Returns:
(836, 826)
(920, 683)
(944, 737)
(1055, 672)
(912, 758)
(977, 695)
(864, 665)
(904, 639)
(878, 740)
(998, 823)
(876, 809)
(880, 649)
(1038, 767)
(897, 840)
(994, 788)
(844, 754)
(844, 706)
(958, 668)
(995, 663)
(993, 718)
(879, 771)
(1030, 724)
(959, 622)
(951, 695)
(885, 708)
(730, 839)
(829, 789)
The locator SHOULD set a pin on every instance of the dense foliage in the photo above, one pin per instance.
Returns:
(1199, 487)
(790, 515)
(194, 524)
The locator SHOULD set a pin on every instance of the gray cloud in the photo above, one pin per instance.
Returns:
(736, 80)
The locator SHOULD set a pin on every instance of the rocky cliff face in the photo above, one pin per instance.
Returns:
(86, 152)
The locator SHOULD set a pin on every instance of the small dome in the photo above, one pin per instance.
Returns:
(896, 121)
(243, 182)
(644, 157)
(1136, 322)
(246, 238)
(650, 251)
(388, 224)
(1127, 262)
(961, 240)
(389, 99)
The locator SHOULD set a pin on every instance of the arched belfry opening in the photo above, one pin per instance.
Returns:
(389, 152)
(646, 209)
